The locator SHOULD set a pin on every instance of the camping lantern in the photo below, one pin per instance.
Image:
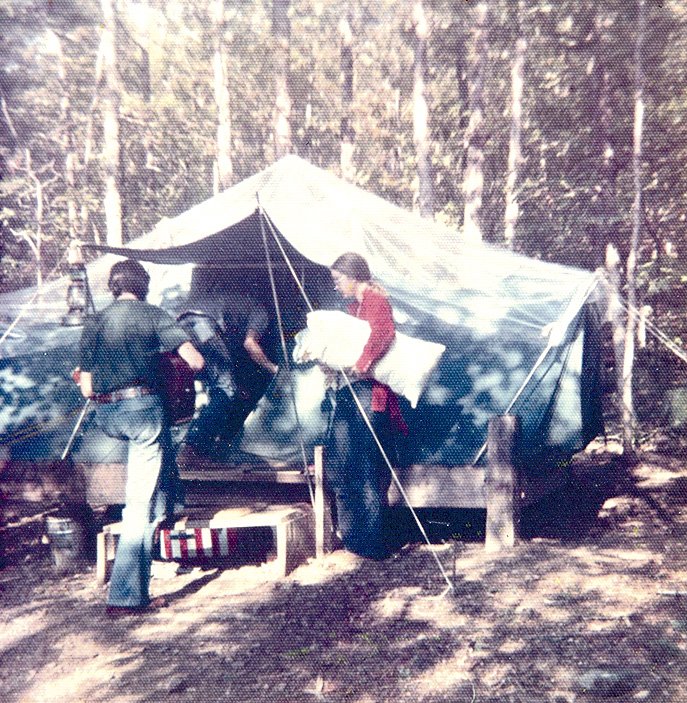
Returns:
(77, 291)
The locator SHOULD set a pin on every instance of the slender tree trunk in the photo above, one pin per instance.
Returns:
(475, 137)
(68, 142)
(111, 128)
(512, 210)
(604, 210)
(425, 195)
(281, 31)
(225, 168)
(347, 131)
(637, 219)
(35, 242)
(308, 130)
(88, 141)
(463, 99)
(393, 111)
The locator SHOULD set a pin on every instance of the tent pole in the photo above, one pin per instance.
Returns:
(285, 351)
(363, 413)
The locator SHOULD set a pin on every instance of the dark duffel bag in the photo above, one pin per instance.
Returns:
(177, 388)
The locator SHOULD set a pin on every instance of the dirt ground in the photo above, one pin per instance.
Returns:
(590, 606)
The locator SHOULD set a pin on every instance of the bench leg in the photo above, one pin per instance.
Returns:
(294, 543)
(101, 558)
(106, 546)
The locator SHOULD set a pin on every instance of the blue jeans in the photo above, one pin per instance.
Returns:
(152, 489)
(357, 473)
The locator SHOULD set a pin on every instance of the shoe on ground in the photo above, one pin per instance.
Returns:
(119, 611)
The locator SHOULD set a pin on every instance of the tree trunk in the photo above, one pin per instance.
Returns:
(475, 137)
(512, 210)
(425, 195)
(225, 168)
(111, 141)
(281, 31)
(463, 97)
(604, 210)
(68, 143)
(628, 356)
(347, 132)
(35, 243)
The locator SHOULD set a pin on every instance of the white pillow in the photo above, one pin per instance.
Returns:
(337, 340)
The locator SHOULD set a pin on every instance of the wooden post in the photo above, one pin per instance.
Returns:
(502, 485)
(320, 504)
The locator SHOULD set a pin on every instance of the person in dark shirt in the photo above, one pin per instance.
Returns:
(118, 371)
(246, 323)
(230, 332)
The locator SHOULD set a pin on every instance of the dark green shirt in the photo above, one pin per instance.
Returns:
(121, 344)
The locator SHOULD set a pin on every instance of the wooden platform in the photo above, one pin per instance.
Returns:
(500, 487)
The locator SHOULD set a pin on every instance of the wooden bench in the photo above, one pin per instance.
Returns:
(292, 528)
(300, 531)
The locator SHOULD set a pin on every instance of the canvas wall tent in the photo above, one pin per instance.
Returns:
(519, 332)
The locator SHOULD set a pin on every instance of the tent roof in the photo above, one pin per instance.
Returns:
(318, 217)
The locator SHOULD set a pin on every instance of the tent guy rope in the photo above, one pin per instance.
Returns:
(31, 300)
(540, 360)
(285, 353)
(366, 419)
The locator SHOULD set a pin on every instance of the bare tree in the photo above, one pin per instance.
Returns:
(637, 219)
(223, 165)
(425, 197)
(281, 31)
(347, 131)
(512, 210)
(68, 141)
(475, 135)
(111, 139)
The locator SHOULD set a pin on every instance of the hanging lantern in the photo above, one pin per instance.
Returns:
(77, 293)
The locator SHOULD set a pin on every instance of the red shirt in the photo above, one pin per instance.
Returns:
(375, 308)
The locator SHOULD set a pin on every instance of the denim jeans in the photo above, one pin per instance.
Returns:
(152, 489)
(357, 473)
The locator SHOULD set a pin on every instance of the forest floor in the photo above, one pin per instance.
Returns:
(591, 605)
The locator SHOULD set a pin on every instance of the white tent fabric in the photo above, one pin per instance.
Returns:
(496, 312)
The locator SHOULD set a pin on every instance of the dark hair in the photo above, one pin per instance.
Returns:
(353, 265)
(130, 277)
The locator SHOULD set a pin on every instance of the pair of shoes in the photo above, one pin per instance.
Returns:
(119, 611)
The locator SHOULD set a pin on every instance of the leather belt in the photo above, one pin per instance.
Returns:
(122, 394)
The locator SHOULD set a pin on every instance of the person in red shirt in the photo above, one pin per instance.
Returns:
(356, 471)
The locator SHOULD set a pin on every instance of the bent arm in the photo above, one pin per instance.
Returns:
(191, 356)
(377, 311)
(256, 353)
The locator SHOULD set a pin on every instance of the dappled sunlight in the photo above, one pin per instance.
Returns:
(82, 666)
(396, 602)
(653, 476)
(440, 612)
(524, 624)
(445, 675)
(22, 626)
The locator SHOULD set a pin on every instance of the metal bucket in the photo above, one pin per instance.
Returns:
(66, 537)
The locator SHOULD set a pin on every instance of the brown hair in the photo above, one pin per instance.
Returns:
(354, 266)
(130, 277)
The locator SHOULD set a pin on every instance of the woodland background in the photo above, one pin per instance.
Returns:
(556, 129)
